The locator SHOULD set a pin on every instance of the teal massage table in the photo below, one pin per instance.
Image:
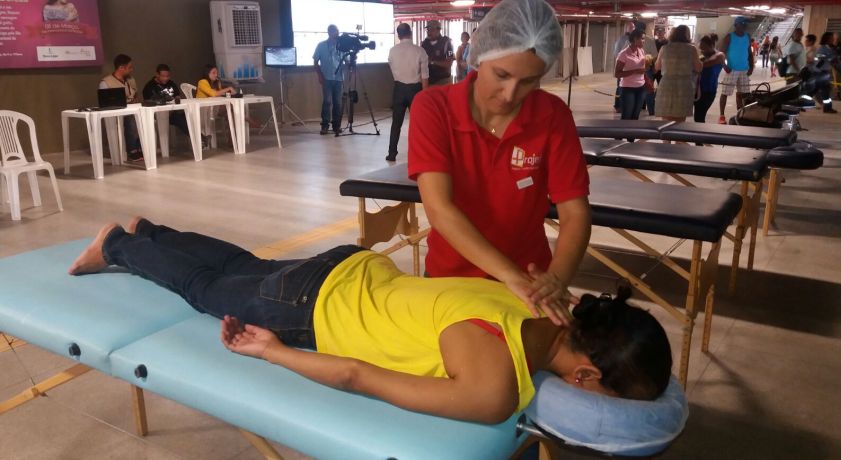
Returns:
(129, 328)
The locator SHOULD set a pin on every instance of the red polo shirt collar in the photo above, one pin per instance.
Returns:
(463, 117)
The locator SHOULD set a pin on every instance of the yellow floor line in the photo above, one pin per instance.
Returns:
(7, 339)
(273, 250)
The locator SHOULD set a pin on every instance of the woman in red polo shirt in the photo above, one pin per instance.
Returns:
(491, 152)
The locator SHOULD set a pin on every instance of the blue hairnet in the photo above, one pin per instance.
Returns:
(514, 26)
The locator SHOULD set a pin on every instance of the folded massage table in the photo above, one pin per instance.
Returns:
(701, 216)
(687, 131)
(130, 328)
(618, 129)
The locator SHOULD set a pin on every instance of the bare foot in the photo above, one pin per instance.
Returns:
(132, 226)
(91, 259)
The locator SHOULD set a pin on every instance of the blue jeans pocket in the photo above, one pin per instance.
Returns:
(294, 284)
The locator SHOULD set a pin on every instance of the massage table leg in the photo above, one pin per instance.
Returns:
(753, 220)
(139, 408)
(707, 277)
(737, 240)
(262, 445)
(42, 387)
(771, 200)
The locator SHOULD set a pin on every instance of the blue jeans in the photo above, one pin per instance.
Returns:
(617, 96)
(219, 278)
(631, 100)
(331, 93)
(130, 134)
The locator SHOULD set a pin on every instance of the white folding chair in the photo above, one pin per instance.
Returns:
(13, 161)
(188, 90)
(208, 118)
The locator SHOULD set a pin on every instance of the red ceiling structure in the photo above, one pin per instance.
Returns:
(607, 9)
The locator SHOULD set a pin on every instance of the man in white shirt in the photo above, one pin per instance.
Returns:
(410, 67)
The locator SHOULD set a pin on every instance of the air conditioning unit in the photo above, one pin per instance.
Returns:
(237, 40)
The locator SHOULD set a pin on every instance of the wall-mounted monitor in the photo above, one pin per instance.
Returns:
(278, 56)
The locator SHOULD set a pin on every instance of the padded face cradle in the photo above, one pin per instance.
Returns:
(617, 129)
(734, 163)
(606, 424)
(800, 155)
(736, 136)
(42, 304)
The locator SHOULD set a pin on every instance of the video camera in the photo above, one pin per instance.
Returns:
(353, 43)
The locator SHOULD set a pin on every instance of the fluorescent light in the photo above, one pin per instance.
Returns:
(462, 2)
(649, 14)
(777, 11)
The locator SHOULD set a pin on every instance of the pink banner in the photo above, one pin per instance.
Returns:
(49, 33)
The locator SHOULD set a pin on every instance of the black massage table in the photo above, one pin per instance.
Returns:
(749, 166)
(701, 216)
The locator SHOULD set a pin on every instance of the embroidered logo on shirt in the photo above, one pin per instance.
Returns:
(522, 160)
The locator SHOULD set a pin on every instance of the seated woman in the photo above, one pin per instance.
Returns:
(462, 348)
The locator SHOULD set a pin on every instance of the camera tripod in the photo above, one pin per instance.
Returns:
(350, 97)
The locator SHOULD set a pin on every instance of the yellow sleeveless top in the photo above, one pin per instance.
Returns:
(369, 310)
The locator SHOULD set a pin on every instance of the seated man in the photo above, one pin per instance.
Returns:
(121, 78)
(162, 88)
(463, 348)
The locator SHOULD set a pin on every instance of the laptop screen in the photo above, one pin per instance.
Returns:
(112, 97)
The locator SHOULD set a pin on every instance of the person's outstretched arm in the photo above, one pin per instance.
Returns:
(474, 392)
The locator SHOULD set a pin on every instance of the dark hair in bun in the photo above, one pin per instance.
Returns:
(625, 343)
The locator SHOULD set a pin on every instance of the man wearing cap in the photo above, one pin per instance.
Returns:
(441, 55)
(410, 67)
(738, 67)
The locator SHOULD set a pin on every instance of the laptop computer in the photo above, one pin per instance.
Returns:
(111, 98)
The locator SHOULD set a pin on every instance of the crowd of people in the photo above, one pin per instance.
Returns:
(684, 79)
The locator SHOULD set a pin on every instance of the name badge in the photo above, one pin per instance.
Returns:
(524, 183)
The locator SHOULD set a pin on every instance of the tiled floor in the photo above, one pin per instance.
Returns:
(768, 389)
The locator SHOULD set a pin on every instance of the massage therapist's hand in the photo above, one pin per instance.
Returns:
(247, 340)
(522, 285)
(551, 295)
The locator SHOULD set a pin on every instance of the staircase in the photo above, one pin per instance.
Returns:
(783, 29)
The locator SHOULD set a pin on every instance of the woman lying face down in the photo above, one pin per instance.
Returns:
(462, 348)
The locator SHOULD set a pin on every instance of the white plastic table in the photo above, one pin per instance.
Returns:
(161, 113)
(116, 141)
(240, 106)
(194, 107)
